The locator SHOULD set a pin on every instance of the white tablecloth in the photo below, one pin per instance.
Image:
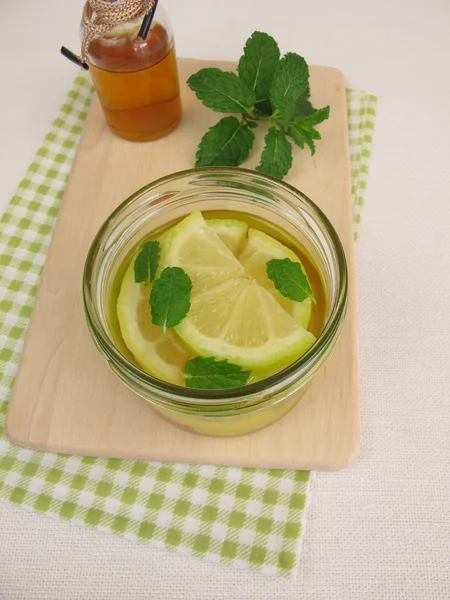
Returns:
(379, 530)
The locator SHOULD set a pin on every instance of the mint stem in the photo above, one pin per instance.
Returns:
(252, 117)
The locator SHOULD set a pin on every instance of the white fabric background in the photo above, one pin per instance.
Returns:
(379, 530)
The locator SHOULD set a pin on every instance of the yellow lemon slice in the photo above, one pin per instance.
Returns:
(259, 250)
(232, 232)
(162, 357)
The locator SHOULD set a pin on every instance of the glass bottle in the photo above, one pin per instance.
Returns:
(137, 79)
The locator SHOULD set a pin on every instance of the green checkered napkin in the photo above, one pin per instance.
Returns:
(361, 110)
(249, 518)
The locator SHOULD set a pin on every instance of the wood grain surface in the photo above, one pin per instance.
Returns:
(65, 397)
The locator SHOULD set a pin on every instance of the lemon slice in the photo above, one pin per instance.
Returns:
(194, 247)
(232, 232)
(162, 357)
(240, 320)
(231, 315)
(259, 250)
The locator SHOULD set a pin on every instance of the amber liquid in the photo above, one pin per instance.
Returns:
(137, 84)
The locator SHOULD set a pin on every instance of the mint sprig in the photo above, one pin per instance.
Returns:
(146, 263)
(289, 279)
(211, 374)
(266, 88)
(170, 298)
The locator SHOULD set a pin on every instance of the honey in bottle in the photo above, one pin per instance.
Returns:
(137, 79)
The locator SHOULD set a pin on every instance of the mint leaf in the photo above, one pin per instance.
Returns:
(289, 279)
(276, 158)
(211, 374)
(146, 263)
(303, 107)
(228, 143)
(222, 91)
(258, 63)
(291, 80)
(302, 137)
(252, 124)
(302, 129)
(313, 118)
(170, 297)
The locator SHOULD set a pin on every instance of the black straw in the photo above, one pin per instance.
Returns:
(74, 58)
(146, 23)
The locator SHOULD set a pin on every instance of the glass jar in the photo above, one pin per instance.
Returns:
(137, 79)
(214, 412)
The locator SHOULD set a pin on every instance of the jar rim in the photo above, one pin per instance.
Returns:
(301, 367)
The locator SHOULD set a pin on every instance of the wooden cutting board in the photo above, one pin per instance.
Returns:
(66, 399)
